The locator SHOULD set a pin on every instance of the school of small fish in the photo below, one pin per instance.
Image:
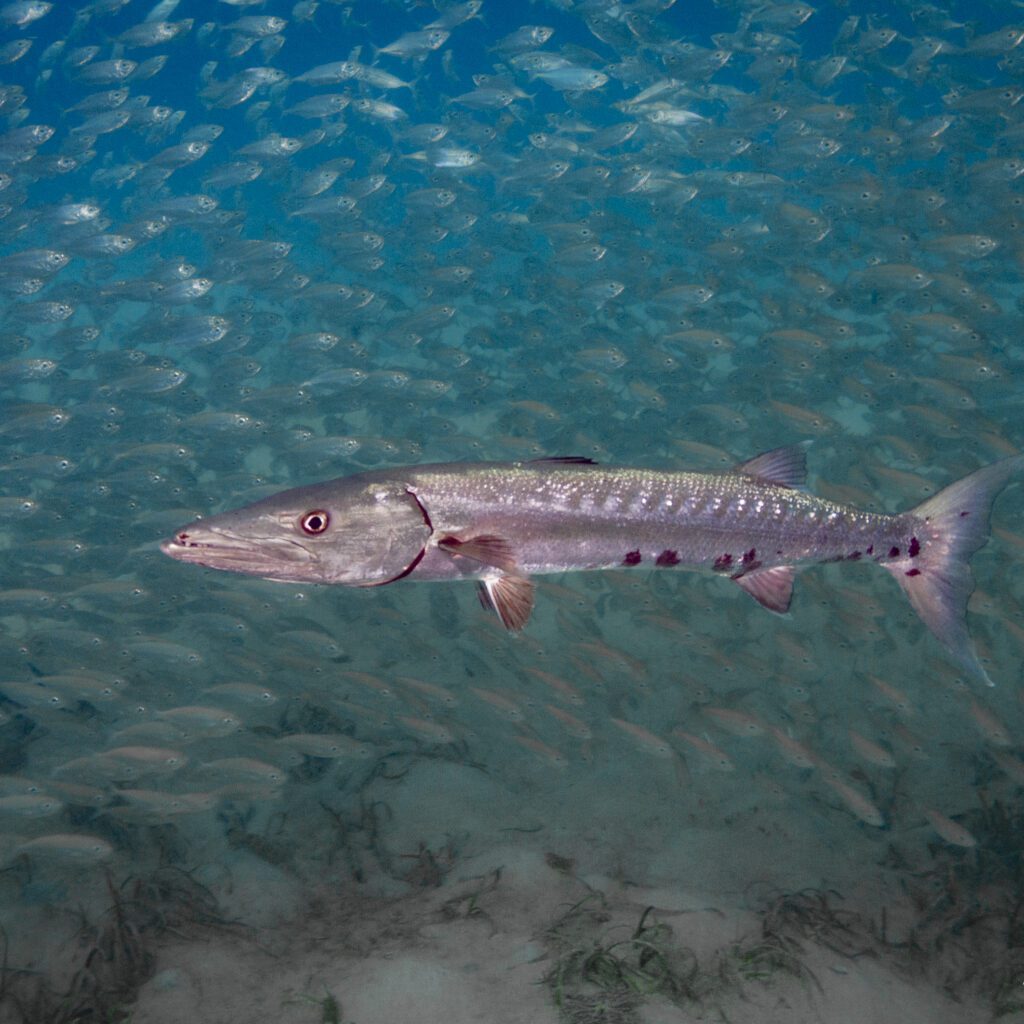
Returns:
(250, 245)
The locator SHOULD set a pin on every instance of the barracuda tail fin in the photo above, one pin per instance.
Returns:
(938, 581)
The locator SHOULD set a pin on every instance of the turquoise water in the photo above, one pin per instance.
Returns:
(662, 235)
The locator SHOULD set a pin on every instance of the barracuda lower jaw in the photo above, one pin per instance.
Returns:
(200, 546)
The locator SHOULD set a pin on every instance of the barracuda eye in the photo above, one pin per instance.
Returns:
(315, 522)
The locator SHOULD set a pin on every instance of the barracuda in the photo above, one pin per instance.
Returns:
(502, 523)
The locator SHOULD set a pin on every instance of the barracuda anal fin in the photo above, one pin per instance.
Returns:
(772, 588)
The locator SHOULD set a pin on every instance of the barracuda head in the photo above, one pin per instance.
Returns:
(358, 531)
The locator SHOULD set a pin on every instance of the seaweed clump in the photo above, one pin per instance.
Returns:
(601, 979)
(968, 936)
(115, 954)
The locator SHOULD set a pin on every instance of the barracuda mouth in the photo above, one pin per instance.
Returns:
(273, 558)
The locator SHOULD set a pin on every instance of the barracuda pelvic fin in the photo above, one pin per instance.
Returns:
(510, 597)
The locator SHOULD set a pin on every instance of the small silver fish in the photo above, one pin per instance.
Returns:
(501, 523)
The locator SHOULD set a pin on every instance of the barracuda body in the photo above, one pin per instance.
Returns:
(503, 523)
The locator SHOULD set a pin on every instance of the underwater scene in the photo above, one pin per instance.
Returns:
(252, 246)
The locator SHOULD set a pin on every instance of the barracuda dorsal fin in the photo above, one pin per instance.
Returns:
(511, 597)
(770, 588)
(784, 467)
(567, 460)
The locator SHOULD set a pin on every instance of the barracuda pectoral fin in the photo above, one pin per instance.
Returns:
(487, 549)
(772, 588)
(784, 467)
(505, 591)
(510, 597)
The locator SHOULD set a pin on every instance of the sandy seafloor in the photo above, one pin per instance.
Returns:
(479, 945)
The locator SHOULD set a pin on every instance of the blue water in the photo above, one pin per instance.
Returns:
(813, 256)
